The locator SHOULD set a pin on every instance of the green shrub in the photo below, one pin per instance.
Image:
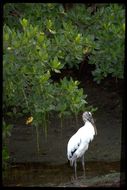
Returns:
(103, 35)
(42, 38)
(108, 55)
(29, 59)
(74, 34)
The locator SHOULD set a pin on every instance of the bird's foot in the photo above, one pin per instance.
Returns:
(84, 174)
(74, 178)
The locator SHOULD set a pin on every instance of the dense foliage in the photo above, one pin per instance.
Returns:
(78, 33)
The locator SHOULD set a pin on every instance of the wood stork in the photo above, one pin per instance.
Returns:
(79, 142)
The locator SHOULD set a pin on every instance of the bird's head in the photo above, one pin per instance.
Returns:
(87, 116)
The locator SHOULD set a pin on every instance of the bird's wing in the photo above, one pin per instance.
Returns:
(73, 145)
(81, 149)
(79, 142)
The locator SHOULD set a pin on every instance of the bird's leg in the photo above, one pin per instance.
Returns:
(83, 164)
(75, 165)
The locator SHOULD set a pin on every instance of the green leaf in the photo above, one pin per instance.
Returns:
(57, 71)
(56, 63)
(24, 22)
(41, 37)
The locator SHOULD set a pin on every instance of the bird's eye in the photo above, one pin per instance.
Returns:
(90, 113)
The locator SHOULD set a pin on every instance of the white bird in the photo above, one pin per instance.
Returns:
(79, 142)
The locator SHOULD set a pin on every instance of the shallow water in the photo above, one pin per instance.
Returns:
(47, 174)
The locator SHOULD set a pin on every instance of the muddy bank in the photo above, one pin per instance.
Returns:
(109, 180)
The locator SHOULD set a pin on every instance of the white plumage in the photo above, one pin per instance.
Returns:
(79, 142)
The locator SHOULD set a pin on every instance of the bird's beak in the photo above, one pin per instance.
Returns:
(92, 120)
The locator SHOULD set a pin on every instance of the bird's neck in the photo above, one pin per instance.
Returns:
(94, 126)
